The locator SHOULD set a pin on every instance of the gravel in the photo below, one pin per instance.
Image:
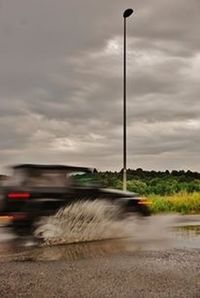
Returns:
(172, 273)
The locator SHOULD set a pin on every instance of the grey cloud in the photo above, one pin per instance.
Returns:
(61, 83)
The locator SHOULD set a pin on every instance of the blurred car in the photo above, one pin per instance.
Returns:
(36, 190)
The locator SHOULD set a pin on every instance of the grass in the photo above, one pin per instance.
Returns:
(184, 203)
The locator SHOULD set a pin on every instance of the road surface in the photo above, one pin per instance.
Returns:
(117, 268)
(174, 273)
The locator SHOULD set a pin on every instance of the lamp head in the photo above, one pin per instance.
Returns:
(127, 12)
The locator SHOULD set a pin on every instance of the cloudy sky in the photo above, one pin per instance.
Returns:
(61, 83)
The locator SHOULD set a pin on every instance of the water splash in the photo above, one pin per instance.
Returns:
(100, 220)
(81, 221)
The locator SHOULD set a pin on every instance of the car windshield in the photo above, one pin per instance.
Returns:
(84, 179)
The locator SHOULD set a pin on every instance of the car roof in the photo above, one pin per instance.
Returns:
(52, 167)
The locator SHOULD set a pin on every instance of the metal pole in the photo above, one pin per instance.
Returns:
(126, 14)
(124, 114)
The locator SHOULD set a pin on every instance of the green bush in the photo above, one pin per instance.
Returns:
(137, 186)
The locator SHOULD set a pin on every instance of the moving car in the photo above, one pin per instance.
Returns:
(36, 190)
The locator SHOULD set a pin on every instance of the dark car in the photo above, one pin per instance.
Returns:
(34, 191)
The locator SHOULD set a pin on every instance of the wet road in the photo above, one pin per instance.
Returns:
(109, 268)
(174, 273)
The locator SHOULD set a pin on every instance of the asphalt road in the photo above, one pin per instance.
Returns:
(173, 273)
(117, 268)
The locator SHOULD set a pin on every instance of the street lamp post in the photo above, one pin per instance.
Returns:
(126, 14)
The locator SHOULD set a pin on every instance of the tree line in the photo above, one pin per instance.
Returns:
(153, 182)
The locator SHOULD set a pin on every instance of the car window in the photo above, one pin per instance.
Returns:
(41, 178)
(54, 178)
(83, 179)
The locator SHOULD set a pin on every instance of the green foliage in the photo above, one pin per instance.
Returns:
(183, 203)
(152, 182)
(176, 191)
(137, 186)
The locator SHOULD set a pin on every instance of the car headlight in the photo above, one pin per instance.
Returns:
(144, 201)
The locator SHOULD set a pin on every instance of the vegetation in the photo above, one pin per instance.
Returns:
(152, 182)
(184, 203)
(175, 191)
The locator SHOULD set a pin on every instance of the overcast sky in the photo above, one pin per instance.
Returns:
(61, 83)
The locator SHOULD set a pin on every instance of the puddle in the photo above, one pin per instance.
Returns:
(186, 236)
(154, 233)
(189, 230)
(69, 252)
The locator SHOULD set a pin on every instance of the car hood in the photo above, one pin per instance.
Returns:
(119, 193)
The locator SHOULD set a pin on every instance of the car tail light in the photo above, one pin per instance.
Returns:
(19, 195)
(19, 216)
